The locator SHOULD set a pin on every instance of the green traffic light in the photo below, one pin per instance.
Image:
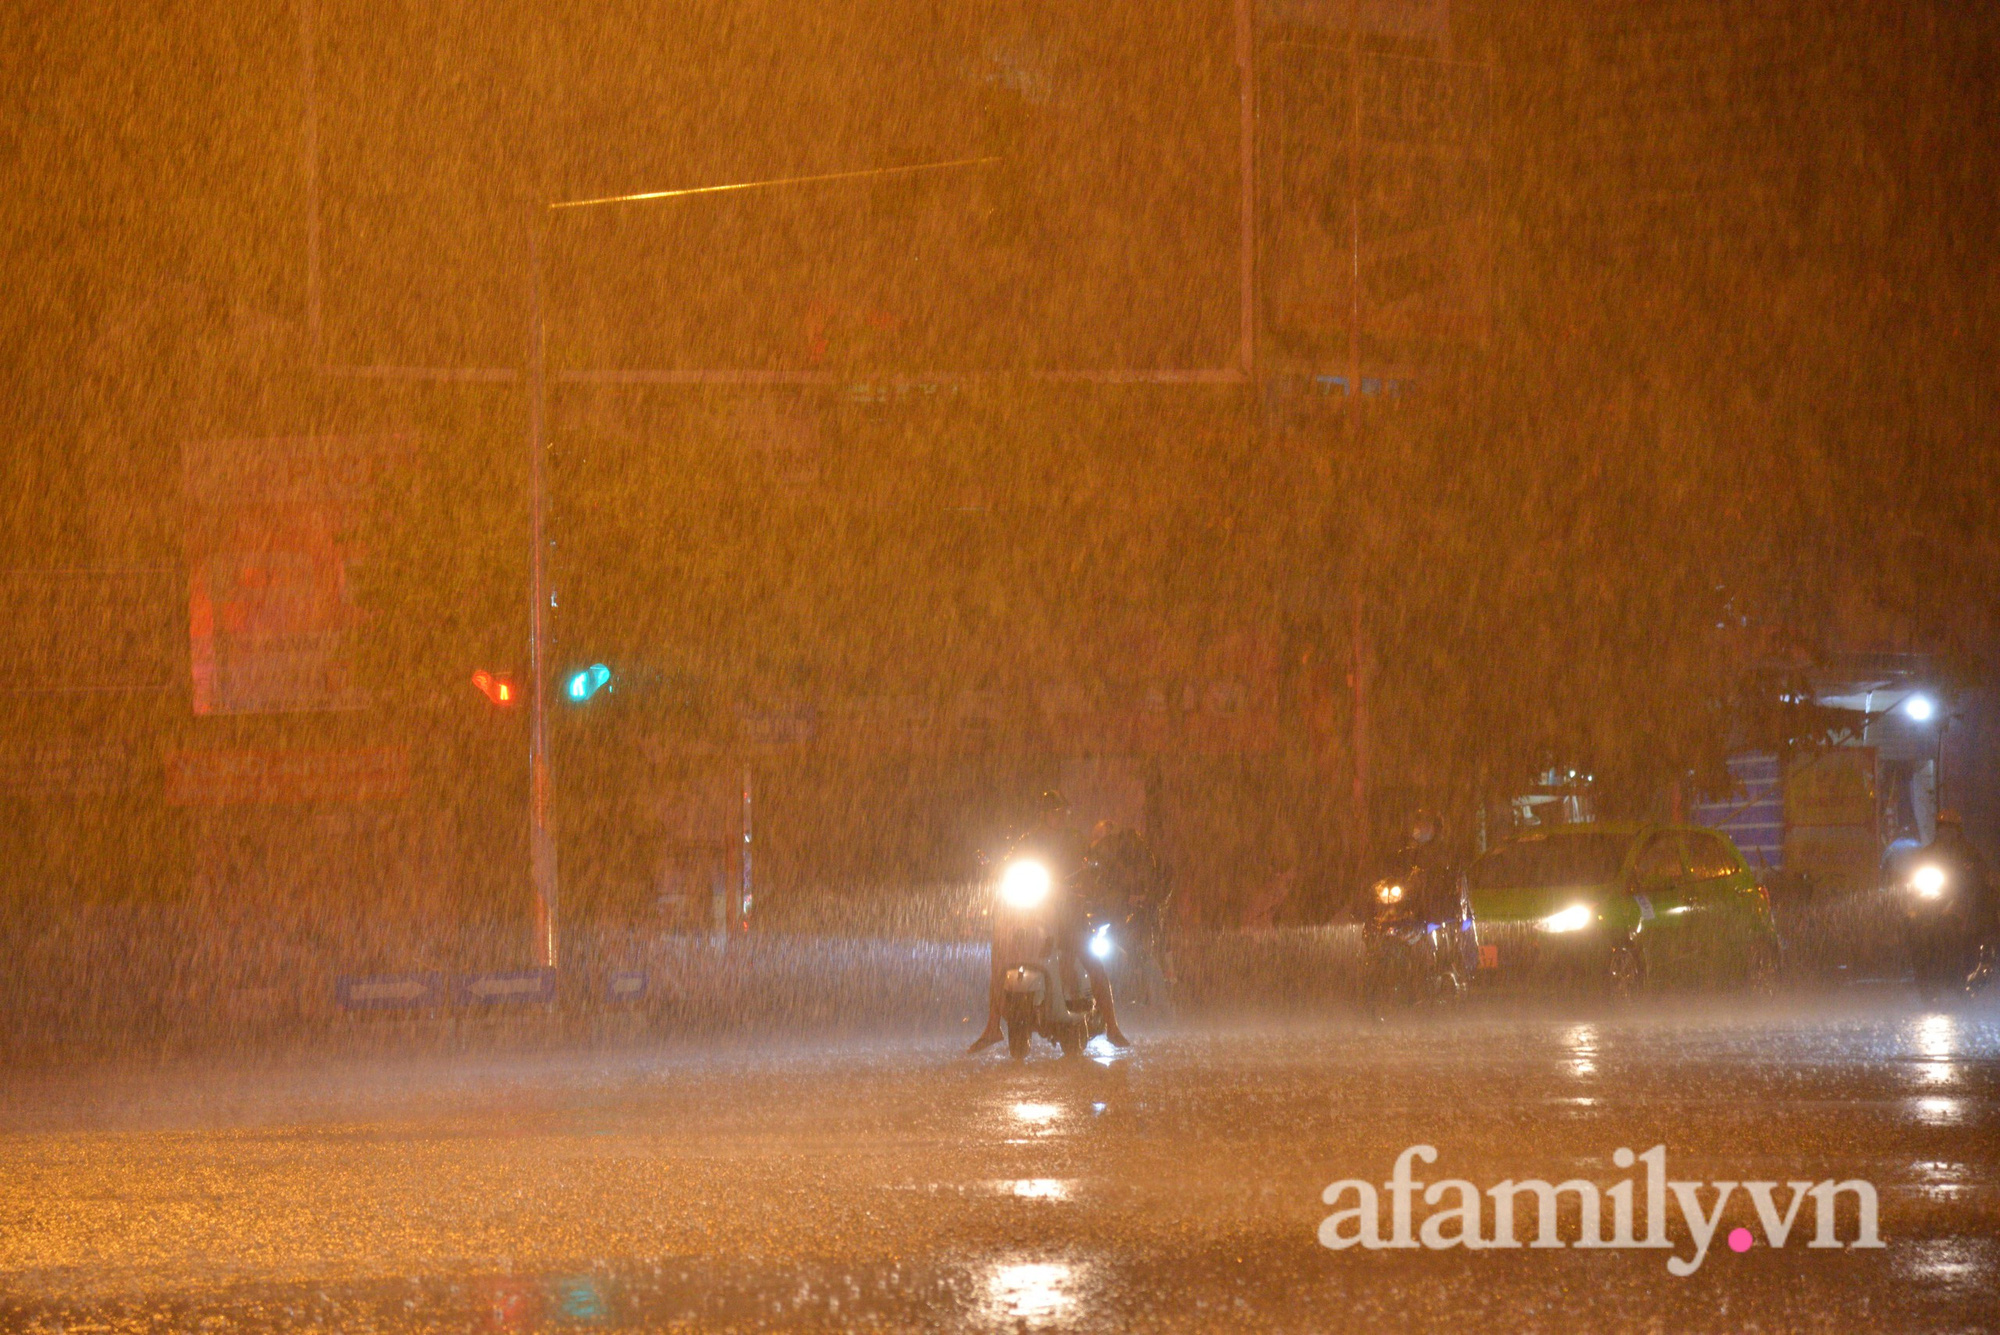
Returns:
(588, 682)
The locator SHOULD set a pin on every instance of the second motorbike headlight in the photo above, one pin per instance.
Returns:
(1024, 884)
(1928, 880)
(1388, 892)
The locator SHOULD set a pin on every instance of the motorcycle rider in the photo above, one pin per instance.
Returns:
(1960, 860)
(1432, 880)
(1130, 886)
(1430, 867)
(1057, 845)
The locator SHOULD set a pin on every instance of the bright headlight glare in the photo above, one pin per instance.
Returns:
(1024, 884)
(1574, 918)
(1100, 942)
(1928, 880)
(1388, 892)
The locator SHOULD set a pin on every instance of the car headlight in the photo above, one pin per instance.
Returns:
(1024, 884)
(1572, 919)
(1100, 941)
(1928, 880)
(1388, 892)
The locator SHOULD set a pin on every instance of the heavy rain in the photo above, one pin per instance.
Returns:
(1003, 665)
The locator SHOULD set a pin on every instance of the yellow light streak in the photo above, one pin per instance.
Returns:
(763, 185)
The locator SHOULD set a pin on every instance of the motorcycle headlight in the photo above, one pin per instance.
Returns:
(1024, 884)
(1388, 892)
(1572, 919)
(1928, 880)
(1100, 942)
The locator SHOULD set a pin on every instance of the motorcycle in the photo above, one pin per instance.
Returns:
(1145, 971)
(1413, 953)
(1945, 952)
(1126, 926)
(1028, 941)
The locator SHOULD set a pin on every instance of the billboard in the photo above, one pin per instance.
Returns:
(271, 617)
(1377, 225)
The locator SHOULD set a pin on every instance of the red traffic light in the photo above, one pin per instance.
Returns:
(496, 686)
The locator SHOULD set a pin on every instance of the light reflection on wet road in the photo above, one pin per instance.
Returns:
(909, 1187)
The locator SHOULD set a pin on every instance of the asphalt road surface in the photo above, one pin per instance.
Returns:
(905, 1186)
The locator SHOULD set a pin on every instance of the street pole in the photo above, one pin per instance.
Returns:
(1246, 67)
(743, 899)
(1359, 813)
(1354, 209)
(541, 839)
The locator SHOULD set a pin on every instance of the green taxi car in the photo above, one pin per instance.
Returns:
(1619, 904)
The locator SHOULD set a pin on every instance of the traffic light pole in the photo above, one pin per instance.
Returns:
(541, 838)
(541, 835)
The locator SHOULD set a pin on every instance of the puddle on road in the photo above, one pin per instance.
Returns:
(681, 1295)
(1935, 1282)
(1938, 1111)
(1031, 1293)
(1036, 1188)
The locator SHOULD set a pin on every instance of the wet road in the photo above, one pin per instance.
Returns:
(904, 1186)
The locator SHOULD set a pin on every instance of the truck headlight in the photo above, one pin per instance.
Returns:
(1024, 884)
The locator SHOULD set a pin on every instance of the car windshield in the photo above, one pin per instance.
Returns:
(1552, 860)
